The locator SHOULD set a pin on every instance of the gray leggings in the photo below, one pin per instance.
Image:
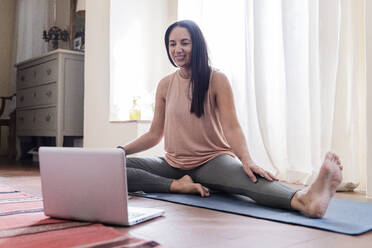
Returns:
(223, 173)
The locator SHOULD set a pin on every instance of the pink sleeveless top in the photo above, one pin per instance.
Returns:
(190, 141)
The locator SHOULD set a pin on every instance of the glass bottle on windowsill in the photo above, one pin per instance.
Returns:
(135, 111)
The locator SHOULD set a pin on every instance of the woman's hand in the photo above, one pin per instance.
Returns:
(251, 169)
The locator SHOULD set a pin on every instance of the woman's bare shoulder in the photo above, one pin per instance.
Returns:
(219, 75)
(219, 80)
(165, 80)
(164, 84)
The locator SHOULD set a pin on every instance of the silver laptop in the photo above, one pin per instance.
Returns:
(88, 184)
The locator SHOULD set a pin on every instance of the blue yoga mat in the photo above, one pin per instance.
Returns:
(347, 217)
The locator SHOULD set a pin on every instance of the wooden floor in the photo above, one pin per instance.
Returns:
(184, 226)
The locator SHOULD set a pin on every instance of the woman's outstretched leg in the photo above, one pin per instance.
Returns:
(225, 173)
(313, 201)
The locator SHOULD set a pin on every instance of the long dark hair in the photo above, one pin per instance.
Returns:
(200, 69)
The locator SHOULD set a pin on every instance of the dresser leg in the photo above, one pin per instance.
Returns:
(59, 141)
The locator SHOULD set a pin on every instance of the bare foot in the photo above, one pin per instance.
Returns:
(313, 201)
(187, 185)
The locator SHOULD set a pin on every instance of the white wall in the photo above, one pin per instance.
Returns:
(98, 131)
(368, 27)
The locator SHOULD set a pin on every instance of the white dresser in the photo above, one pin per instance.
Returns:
(50, 96)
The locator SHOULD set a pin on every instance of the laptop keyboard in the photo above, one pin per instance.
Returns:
(134, 215)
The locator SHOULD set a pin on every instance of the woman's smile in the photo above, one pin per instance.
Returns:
(180, 57)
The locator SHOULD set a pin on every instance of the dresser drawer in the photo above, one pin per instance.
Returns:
(26, 77)
(47, 72)
(37, 119)
(46, 119)
(24, 120)
(38, 74)
(36, 96)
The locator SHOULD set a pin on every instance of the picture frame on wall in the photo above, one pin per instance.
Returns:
(77, 43)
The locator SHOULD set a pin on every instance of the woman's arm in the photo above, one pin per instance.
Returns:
(231, 127)
(155, 134)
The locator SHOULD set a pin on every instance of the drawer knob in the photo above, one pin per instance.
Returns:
(48, 117)
(21, 119)
(34, 119)
(34, 94)
(49, 71)
(49, 93)
(22, 98)
(34, 74)
(22, 78)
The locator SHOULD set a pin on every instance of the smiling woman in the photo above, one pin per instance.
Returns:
(137, 56)
(292, 79)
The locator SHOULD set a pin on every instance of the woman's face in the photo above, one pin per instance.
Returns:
(180, 46)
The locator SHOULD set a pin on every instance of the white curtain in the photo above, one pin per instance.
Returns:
(349, 126)
(297, 72)
(31, 19)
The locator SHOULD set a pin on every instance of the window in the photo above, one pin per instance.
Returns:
(138, 59)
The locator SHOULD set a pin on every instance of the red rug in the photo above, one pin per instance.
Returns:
(23, 224)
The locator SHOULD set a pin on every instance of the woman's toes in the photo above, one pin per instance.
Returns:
(328, 156)
(206, 191)
(338, 161)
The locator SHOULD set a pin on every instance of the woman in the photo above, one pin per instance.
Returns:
(195, 113)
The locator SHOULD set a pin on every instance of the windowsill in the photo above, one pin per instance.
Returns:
(131, 121)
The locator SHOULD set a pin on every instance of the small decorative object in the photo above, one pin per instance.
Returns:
(77, 43)
(55, 34)
(79, 40)
(135, 111)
